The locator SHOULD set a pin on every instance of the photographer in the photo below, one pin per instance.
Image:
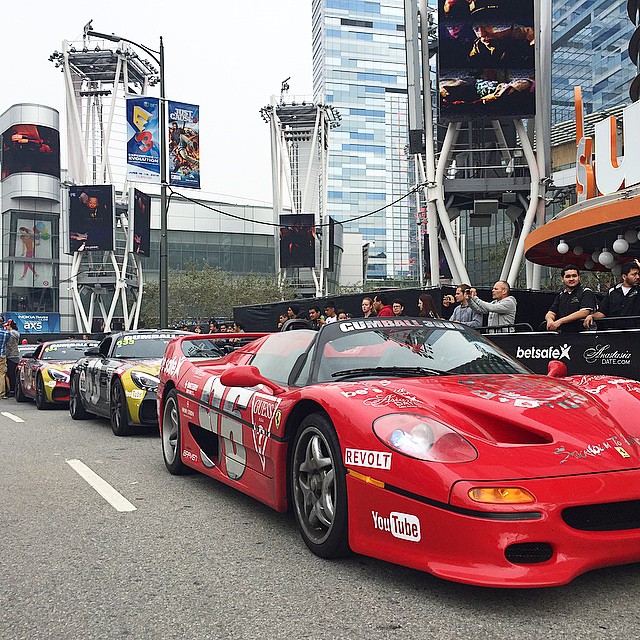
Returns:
(463, 313)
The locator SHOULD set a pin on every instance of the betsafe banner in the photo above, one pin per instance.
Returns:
(184, 145)
(143, 139)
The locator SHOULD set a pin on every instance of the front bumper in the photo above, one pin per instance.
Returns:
(503, 547)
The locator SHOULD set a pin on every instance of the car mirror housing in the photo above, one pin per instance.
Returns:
(556, 369)
(247, 376)
(93, 352)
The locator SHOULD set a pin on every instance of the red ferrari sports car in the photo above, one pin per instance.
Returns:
(418, 442)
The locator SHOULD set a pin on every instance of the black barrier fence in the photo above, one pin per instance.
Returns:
(614, 352)
(532, 305)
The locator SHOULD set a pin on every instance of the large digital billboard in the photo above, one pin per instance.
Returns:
(91, 218)
(297, 240)
(139, 223)
(486, 59)
(30, 148)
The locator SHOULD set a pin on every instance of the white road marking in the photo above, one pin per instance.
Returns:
(6, 414)
(115, 499)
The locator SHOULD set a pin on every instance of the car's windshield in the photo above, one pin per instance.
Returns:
(406, 347)
(142, 345)
(63, 351)
(202, 348)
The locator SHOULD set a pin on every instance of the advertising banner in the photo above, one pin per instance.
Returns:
(184, 145)
(297, 240)
(486, 59)
(91, 218)
(143, 139)
(32, 244)
(30, 148)
(139, 223)
(35, 322)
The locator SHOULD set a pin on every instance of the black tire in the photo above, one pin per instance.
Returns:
(76, 406)
(318, 487)
(41, 394)
(171, 436)
(119, 411)
(20, 397)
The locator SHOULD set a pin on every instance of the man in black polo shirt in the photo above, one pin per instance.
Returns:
(622, 300)
(572, 305)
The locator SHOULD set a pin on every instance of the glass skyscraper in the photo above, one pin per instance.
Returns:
(359, 67)
(590, 41)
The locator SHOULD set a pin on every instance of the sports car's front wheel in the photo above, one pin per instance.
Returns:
(171, 436)
(119, 411)
(41, 394)
(76, 408)
(20, 397)
(318, 487)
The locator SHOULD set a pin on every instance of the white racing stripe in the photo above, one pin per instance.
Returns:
(115, 499)
(6, 414)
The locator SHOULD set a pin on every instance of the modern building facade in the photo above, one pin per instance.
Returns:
(359, 67)
(590, 49)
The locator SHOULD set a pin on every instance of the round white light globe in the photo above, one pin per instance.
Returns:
(578, 250)
(631, 236)
(606, 258)
(595, 255)
(562, 247)
(620, 245)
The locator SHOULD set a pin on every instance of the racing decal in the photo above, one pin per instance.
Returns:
(263, 413)
(369, 459)
(400, 525)
(632, 386)
(227, 425)
(135, 394)
(190, 388)
(378, 323)
(363, 391)
(528, 394)
(189, 455)
(399, 398)
(616, 442)
(171, 366)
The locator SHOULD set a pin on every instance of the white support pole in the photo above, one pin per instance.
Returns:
(533, 201)
(107, 134)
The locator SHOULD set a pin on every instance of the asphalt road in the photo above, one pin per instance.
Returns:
(197, 560)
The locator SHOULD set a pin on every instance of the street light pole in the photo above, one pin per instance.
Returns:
(164, 241)
(158, 56)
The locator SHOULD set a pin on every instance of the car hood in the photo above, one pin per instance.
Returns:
(522, 426)
(151, 366)
(59, 366)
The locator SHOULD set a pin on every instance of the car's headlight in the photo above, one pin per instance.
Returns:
(145, 380)
(58, 376)
(423, 438)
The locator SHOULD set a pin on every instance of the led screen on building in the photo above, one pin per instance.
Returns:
(30, 148)
(297, 240)
(140, 223)
(486, 59)
(91, 218)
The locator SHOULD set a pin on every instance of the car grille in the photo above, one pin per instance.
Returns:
(60, 393)
(528, 552)
(149, 412)
(613, 516)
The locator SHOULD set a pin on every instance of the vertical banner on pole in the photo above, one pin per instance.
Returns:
(184, 145)
(143, 139)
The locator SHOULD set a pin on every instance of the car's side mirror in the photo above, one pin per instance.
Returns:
(556, 369)
(247, 376)
(94, 352)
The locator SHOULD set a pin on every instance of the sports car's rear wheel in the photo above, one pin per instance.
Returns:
(20, 397)
(171, 438)
(119, 411)
(76, 407)
(41, 394)
(318, 487)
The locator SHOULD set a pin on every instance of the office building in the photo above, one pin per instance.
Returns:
(359, 67)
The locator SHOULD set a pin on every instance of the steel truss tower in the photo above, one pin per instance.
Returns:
(299, 169)
(97, 77)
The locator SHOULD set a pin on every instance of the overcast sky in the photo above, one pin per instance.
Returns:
(227, 56)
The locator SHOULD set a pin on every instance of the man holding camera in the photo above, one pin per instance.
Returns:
(501, 309)
(463, 313)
